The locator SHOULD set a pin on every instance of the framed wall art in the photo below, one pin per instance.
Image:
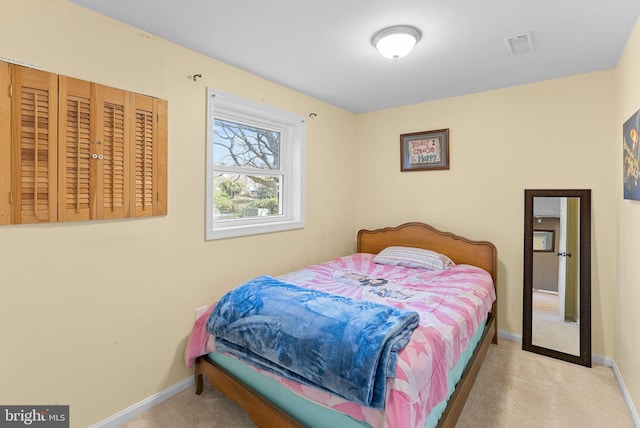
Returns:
(426, 150)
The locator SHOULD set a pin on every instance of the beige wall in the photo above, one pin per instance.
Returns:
(96, 315)
(84, 304)
(554, 134)
(627, 308)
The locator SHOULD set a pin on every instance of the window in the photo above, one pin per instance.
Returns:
(255, 168)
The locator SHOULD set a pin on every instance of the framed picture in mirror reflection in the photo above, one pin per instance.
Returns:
(543, 240)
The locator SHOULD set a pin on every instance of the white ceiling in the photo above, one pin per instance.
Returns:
(323, 49)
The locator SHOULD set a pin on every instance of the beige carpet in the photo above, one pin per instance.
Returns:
(514, 389)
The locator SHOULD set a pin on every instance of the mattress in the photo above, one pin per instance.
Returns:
(453, 305)
(311, 414)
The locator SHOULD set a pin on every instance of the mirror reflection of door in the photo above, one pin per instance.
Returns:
(556, 275)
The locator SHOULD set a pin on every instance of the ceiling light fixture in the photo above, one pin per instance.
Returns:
(397, 41)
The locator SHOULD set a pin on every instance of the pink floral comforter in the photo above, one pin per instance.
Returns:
(452, 304)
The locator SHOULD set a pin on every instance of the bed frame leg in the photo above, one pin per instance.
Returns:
(198, 377)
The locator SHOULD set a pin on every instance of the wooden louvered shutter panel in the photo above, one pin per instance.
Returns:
(34, 146)
(75, 149)
(148, 157)
(113, 177)
(5, 144)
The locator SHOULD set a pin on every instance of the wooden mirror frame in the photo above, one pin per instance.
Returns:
(585, 275)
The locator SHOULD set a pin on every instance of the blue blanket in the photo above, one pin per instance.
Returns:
(348, 347)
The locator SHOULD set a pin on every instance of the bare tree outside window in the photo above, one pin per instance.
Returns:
(248, 180)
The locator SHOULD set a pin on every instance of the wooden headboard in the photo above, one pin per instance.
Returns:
(461, 250)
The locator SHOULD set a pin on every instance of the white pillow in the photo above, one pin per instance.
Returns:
(411, 257)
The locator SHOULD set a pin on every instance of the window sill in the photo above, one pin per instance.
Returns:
(254, 229)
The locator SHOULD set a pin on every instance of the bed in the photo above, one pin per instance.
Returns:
(270, 403)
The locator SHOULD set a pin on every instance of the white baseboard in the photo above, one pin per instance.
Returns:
(507, 335)
(625, 394)
(598, 359)
(144, 405)
(601, 360)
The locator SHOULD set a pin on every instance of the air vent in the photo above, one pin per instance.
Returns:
(520, 44)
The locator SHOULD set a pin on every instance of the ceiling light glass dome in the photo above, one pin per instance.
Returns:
(396, 42)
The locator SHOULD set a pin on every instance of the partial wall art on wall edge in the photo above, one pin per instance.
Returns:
(630, 157)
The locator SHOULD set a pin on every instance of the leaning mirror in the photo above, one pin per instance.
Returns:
(557, 274)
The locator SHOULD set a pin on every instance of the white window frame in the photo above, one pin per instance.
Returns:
(292, 128)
